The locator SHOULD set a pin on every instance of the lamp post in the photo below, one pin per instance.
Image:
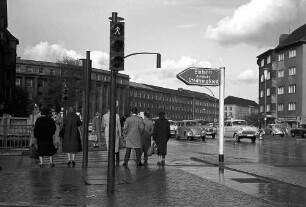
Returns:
(265, 77)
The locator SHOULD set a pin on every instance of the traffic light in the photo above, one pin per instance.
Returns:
(65, 92)
(116, 54)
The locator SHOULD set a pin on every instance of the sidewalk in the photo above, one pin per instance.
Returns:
(24, 184)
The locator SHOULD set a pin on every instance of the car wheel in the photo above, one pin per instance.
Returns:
(292, 134)
(253, 139)
(304, 134)
(271, 134)
(213, 136)
(237, 139)
(282, 135)
(203, 138)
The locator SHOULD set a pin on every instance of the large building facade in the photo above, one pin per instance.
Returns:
(282, 80)
(239, 108)
(37, 76)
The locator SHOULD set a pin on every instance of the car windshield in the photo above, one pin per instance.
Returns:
(191, 123)
(239, 123)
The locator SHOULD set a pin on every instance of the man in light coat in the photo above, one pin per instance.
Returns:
(133, 128)
(105, 126)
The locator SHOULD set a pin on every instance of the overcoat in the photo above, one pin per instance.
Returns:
(147, 133)
(72, 138)
(96, 125)
(105, 126)
(161, 134)
(44, 130)
(133, 128)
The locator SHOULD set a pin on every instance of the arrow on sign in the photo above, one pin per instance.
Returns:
(200, 76)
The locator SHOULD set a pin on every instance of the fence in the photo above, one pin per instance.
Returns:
(15, 136)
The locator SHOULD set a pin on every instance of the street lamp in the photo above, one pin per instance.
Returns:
(265, 77)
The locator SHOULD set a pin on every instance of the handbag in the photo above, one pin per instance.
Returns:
(62, 132)
(93, 137)
(122, 142)
(153, 149)
(33, 152)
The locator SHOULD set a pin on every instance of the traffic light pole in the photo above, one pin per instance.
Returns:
(158, 57)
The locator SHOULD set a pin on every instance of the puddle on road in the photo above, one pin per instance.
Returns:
(274, 191)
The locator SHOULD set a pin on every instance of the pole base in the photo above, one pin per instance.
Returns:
(221, 159)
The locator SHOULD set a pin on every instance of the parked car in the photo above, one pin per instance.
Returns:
(173, 128)
(239, 129)
(208, 127)
(189, 129)
(299, 131)
(273, 129)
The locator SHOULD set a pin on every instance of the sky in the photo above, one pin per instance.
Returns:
(187, 33)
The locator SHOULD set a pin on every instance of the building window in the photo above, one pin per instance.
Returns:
(281, 73)
(281, 57)
(18, 69)
(261, 109)
(29, 82)
(30, 95)
(40, 71)
(291, 88)
(268, 108)
(268, 92)
(268, 75)
(292, 71)
(231, 108)
(291, 106)
(261, 93)
(262, 78)
(52, 71)
(225, 108)
(269, 59)
(18, 81)
(262, 62)
(292, 53)
(280, 90)
(280, 107)
(29, 70)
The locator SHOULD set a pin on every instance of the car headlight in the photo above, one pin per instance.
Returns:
(240, 130)
(189, 133)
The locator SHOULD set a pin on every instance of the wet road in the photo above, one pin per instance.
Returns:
(281, 153)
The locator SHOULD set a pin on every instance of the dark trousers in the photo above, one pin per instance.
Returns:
(128, 154)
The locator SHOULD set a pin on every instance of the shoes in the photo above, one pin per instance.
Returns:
(52, 165)
(163, 162)
(124, 164)
(145, 162)
(140, 164)
(69, 163)
(73, 163)
(41, 165)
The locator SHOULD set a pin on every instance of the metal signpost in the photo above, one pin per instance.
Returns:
(209, 77)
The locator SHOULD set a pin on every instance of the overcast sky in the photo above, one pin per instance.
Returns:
(198, 33)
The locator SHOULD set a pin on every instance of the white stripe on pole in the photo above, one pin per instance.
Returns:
(221, 114)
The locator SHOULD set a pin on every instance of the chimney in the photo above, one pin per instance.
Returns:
(282, 37)
(3, 14)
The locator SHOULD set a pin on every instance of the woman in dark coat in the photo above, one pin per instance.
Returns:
(72, 138)
(161, 135)
(44, 130)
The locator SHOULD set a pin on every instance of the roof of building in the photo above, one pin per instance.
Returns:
(232, 100)
(139, 85)
(297, 36)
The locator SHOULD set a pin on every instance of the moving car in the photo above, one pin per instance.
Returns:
(189, 129)
(300, 131)
(273, 129)
(239, 129)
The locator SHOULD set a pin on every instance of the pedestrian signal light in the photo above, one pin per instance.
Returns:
(116, 45)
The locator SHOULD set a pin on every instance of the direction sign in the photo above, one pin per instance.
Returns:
(200, 76)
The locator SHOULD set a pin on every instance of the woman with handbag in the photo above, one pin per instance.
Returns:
(44, 130)
(72, 138)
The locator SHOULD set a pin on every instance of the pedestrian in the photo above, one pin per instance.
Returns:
(44, 130)
(161, 135)
(96, 129)
(72, 138)
(133, 128)
(105, 126)
(58, 123)
(146, 136)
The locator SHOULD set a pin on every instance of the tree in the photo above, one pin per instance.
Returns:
(71, 74)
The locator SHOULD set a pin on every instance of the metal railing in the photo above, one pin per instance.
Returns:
(15, 136)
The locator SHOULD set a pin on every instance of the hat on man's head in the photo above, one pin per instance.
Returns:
(161, 114)
(45, 111)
